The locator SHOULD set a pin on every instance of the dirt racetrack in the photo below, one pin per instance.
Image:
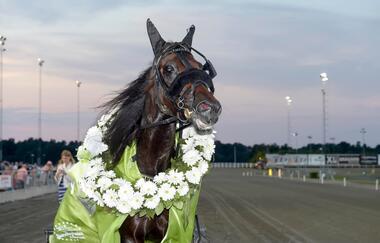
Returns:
(236, 208)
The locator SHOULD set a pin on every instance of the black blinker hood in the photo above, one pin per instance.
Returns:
(189, 76)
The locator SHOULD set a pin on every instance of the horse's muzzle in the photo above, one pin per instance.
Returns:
(206, 115)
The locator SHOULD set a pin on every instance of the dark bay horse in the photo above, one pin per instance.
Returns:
(175, 89)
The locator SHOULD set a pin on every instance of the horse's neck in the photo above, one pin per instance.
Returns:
(155, 145)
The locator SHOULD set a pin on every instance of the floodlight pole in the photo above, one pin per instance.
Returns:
(288, 105)
(78, 84)
(324, 79)
(295, 135)
(40, 64)
(2, 49)
(363, 132)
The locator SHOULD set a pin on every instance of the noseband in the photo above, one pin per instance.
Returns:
(175, 91)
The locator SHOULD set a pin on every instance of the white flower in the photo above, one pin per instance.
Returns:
(88, 187)
(183, 189)
(166, 192)
(148, 188)
(188, 145)
(96, 162)
(121, 182)
(104, 119)
(94, 168)
(194, 175)
(203, 166)
(92, 172)
(139, 183)
(123, 206)
(208, 151)
(110, 198)
(109, 174)
(191, 157)
(93, 141)
(207, 144)
(125, 192)
(188, 132)
(160, 178)
(175, 177)
(136, 201)
(208, 155)
(98, 198)
(90, 184)
(104, 183)
(152, 202)
(88, 192)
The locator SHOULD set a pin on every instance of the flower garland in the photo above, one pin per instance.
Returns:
(145, 196)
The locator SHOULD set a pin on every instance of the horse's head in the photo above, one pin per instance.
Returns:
(184, 85)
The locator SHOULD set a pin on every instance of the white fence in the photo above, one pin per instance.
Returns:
(231, 165)
(252, 165)
(10, 182)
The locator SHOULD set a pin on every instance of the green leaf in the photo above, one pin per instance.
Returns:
(107, 157)
(160, 207)
(150, 214)
(115, 187)
(142, 213)
(178, 204)
(84, 155)
(132, 213)
(168, 204)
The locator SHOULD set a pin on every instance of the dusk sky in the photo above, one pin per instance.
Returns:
(262, 50)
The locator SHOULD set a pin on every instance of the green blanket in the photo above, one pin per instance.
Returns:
(73, 221)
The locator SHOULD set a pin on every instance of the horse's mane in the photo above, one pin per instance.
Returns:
(124, 128)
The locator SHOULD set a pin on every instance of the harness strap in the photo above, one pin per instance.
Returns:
(167, 121)
(159, 123)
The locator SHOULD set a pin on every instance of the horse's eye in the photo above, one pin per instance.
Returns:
(169, 68)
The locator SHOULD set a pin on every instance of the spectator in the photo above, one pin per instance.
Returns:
(61, 177)
(46, 171)
(15, 166)
(21, 176)
(33, 174)
(8, 170)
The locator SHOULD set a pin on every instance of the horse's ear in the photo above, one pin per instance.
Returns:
(155, 38)
(189, 37)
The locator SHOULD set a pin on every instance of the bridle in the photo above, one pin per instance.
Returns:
(175, 91)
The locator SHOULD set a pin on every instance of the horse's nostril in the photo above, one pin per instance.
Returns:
(204, 106)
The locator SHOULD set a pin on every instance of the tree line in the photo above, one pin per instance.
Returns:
(225, 152)
(27, 150)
